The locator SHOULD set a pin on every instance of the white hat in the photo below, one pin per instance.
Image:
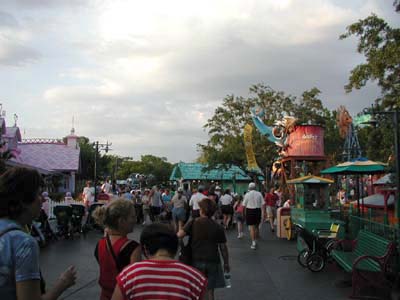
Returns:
(218, 187)
(252, 186)
(45, 194)
(180, 189)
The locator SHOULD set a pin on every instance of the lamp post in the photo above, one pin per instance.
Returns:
(98, 147)
(374, 111)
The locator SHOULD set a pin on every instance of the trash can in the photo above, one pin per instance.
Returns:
(283, 213)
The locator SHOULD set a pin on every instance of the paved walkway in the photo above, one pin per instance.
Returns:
(270, 272)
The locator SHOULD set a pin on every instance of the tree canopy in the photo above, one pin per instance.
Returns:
(380, 44)
(225, 128)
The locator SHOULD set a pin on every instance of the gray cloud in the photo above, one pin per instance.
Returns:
(16, 54)
(151, 91)
(39, 4)
(7, 20)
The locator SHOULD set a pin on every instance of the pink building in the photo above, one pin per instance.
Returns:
(58, 158)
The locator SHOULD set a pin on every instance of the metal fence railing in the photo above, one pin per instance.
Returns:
(357, 223)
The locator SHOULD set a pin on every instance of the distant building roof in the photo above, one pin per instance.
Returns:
(50, 156)
(191, 171)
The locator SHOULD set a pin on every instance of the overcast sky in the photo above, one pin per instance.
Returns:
(146, 75)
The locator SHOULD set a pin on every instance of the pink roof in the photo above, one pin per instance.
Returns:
(51, 156)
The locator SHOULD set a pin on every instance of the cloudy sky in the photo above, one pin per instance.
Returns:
(146, 75)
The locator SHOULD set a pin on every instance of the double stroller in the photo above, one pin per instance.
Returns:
(315, 246)
(69, 219)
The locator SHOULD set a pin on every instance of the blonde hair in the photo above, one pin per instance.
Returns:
(109, 215)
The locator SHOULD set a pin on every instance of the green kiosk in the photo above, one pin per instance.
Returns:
(311, 209)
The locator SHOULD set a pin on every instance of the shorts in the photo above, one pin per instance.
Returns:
(179, 214)
(253, 216)
(213, 272)
(271, 212)
(195, 213)
(239, 217)
(155, 210)
(227, 209)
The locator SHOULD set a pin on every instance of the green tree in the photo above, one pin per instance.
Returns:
(87, 158)
(149, 165)
(225, 128)
(380, 44)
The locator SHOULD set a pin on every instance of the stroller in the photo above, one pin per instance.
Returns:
(63, 215)
(316, 246)
(41, 230)
(78, 212)
(90, 223)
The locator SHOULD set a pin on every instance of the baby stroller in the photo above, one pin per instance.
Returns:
(316, 246)
(90, 223)
(63, 215)
(41, 230)
(78, 212)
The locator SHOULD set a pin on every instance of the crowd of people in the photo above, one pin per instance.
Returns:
(131, 269)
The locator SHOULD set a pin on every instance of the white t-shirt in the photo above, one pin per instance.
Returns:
(88, 195)
(253, 199)
(226, 199)
(195, 199)
(106, 187)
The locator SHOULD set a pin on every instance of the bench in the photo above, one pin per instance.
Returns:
(368, 261)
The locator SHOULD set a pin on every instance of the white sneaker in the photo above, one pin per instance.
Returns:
(253, 245)
(239, 236)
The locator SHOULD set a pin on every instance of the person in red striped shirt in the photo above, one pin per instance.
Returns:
(160, 276)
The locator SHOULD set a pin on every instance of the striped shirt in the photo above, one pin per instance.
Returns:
(161, 279)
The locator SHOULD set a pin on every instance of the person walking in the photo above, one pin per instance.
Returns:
(88, 194)
(115, 251)
(156, 203)
(253, 201)
(138, 206)
(20, 278)
(194, 201)
(239, 215)
(271, 200)
(179, 204)
(208, 239)
(226, 202)
(146, 206)
(160, 276)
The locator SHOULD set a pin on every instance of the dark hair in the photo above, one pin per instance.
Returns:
(227, 191)
(158, 236)
(208, 207)
(18, 187)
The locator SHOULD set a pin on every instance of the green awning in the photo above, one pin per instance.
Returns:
(356, 167)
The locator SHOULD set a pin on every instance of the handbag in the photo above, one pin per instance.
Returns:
(185, 253)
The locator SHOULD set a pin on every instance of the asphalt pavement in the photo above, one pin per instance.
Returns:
(270, 272)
